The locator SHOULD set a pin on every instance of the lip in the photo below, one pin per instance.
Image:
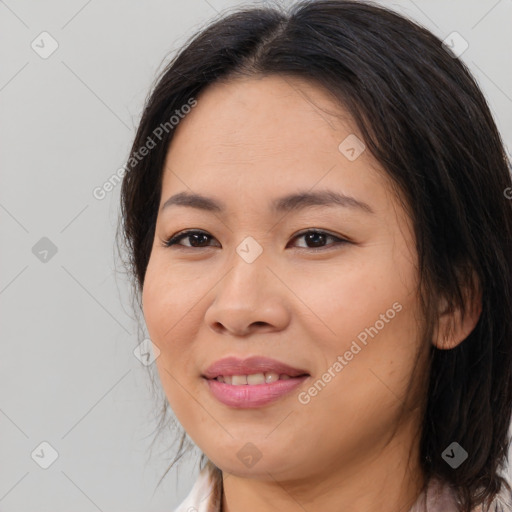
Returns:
(249, 366)
(249, 396)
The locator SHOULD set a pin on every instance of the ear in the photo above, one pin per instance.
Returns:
(453, 326)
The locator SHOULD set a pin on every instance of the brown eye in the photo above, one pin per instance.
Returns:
(196, 239)
(317, 239)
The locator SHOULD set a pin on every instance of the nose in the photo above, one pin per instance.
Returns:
(249, 299)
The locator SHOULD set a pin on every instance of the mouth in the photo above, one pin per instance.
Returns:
(252, 382)
(254, 370)
(255, 379)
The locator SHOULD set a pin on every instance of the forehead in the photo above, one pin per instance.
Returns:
(265, 133)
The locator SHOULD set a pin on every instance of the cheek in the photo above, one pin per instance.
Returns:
(170, 321)
(153, 296)
(163, 305)
(369, 313)
(352, 294)
(164, 297)
(172, 312)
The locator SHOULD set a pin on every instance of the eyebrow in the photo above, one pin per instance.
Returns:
(292, 202)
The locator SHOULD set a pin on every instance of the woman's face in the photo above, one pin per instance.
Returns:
(261, 284)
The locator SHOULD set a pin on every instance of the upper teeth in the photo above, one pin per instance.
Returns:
(255, 378)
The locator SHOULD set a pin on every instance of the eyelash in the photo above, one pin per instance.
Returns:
(173, 240)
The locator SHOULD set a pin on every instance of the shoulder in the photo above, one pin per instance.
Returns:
(440, 497)
(199, 498)
(502, 502)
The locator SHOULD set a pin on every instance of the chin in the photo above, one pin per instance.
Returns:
(264, 468)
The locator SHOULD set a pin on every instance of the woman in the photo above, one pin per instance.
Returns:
(317, 227)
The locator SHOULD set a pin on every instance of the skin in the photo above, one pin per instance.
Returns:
(247, 142)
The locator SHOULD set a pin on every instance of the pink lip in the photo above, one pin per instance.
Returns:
(255, 364)
(250, 396)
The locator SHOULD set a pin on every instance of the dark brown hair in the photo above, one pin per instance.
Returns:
(423, 117)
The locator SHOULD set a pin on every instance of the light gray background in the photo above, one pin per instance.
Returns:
(67, 369)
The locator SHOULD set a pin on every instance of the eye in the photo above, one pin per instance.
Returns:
(318, 238)
(197, 239)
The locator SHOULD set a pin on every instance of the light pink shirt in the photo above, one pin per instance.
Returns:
(439, 498)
